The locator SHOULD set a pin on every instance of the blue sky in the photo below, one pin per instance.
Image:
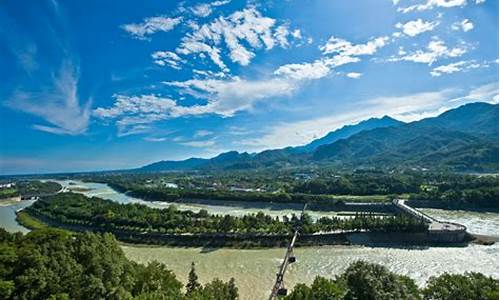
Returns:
(95, 85)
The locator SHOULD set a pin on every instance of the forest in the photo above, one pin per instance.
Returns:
(77, 209)
(57, 265)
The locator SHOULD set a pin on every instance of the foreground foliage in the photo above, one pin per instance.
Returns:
(53, 264)
(368, 281)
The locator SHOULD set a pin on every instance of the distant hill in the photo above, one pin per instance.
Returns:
(465, 138)
(462, 139)
(348, 131)
(475, 118)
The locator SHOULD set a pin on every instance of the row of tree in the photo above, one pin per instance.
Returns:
(71, 208)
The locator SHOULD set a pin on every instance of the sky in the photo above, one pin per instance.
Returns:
(101, 85)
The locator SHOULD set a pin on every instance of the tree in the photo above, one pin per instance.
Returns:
(192, 285)
(461, 287)
(374, 282)
(232, 290)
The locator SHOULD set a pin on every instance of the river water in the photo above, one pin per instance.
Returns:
(254, 270)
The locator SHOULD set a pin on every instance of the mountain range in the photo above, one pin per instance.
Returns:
(460, 139)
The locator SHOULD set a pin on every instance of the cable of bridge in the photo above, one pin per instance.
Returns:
(278, 286)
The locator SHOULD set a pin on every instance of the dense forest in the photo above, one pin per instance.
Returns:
(76, 209)
(57, 265)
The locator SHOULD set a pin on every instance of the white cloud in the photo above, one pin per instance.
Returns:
(336, 52)
(57, 103)
(242, 33)
(132, 112)
(199, 144)
(435, 50)
(354, 75)
(480, 1)
(416, 27)
(205, 9)
(345, 48)
(315, 70)
(202, 133)
(487, 93)
(226, 97)
(430, 4)
(167, 58)
(460, 66)
(155, 139)
(465, 25)
(151, 25)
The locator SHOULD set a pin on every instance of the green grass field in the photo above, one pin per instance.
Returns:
(29, 222)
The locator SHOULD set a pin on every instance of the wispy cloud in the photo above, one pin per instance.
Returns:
(241, 33)
(354, 75)
(464, 25)
(202, 133)
(151, 25)
(57, 103)
(155, 139)
(430, 4)
(167, 58)
(435, 50)
(460, 66)
(199, 144)
(205, 9)
(416, 27)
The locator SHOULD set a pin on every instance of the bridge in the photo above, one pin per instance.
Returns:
(279, 285)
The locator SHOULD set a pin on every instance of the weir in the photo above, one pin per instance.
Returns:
(438, 231)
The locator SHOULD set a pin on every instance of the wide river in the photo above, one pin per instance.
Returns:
(254, 270)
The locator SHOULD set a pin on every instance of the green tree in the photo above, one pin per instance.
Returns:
(374, 282)
(192, 285)
(461, 287)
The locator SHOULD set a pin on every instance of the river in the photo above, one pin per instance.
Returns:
(254, 270)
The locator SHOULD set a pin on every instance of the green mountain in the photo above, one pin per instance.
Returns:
(461, 139)
(348, 131)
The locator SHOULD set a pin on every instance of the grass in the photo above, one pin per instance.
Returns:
(29, 221)
(367, 198)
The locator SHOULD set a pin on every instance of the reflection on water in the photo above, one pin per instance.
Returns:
(254, 270)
